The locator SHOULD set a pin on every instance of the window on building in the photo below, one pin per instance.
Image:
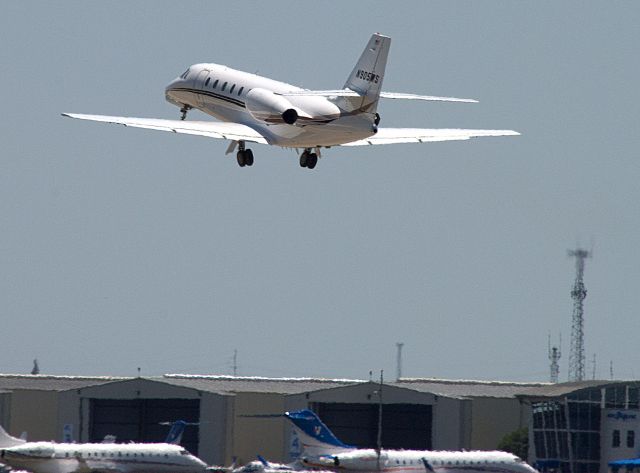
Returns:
(631, 438)
(615, 439)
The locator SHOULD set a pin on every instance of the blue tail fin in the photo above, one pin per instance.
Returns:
(176, 431)
(316, 438)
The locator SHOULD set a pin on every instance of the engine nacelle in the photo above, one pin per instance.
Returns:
(268, 107)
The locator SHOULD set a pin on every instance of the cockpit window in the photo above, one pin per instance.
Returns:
(185, 74)
(207, 81)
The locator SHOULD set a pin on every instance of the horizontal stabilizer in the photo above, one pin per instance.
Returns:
(384, 95)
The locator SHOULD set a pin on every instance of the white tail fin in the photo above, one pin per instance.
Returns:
(366, 77)
(7, 440)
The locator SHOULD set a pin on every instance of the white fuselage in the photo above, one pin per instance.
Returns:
(225, 93)
(415, 461)
(49, 457)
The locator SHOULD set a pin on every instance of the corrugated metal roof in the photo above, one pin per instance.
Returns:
(462, 389)
(41, 382)
(564, 389)
(237, 384)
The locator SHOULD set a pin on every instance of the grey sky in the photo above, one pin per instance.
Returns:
(123, 248)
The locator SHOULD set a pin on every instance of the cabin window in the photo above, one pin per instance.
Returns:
(224, 86)
(103, 454)
(215, 84)
(240, 91)
(66, 454)
(231, 89)
(206, 82)
(119, 454)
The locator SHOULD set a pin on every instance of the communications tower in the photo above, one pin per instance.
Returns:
(554, 357)
(578, 294)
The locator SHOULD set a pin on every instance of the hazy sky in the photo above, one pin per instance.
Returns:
(124, 248)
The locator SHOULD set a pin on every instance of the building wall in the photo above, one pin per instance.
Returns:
(493, 418)
(34, 412)
(5, 410)
(213, 428)
(623, 421)
(258, 436)
(451, 418)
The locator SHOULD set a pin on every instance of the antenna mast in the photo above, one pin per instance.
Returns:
(554, 357)
(399, 361)
(578, 294)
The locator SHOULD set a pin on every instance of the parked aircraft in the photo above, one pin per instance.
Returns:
(322, 449)
(51, 457)
(256, 109)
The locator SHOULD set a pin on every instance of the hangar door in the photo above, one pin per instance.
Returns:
(404, 426)
(138, 420)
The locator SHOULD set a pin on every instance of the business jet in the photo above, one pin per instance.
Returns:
(322, 449)
(255, 109)
(51, 457)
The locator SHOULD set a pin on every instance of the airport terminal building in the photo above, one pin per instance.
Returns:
(573, 427)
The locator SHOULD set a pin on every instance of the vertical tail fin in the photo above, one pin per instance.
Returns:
(175, 433)
(315, 436)
(368, 73)
(7, 440)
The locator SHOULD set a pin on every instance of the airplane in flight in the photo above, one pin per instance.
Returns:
(256, 109)
(322, 449)
(51, 457)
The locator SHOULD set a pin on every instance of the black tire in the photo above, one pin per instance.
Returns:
(248, 157)
(304, 159)
(312, 160)
(240, 156)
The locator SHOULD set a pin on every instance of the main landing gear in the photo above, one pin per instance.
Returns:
(184, 110)
(308, 159)
(244, 156)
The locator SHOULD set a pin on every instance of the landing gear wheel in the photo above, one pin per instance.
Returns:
(304, 159)
(240, 156)
(248, 157)
(376, 120)
(184, 110)
(312, 160)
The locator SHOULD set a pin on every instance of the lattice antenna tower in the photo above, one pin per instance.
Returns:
(578, 294)
(554, 357)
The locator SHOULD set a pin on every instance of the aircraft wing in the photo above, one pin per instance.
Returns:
(386, 136)
(384, 95)
(226, 131)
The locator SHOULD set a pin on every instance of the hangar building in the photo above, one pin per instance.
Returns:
(417, 413)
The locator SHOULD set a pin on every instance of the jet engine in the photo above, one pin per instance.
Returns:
(268, 107)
